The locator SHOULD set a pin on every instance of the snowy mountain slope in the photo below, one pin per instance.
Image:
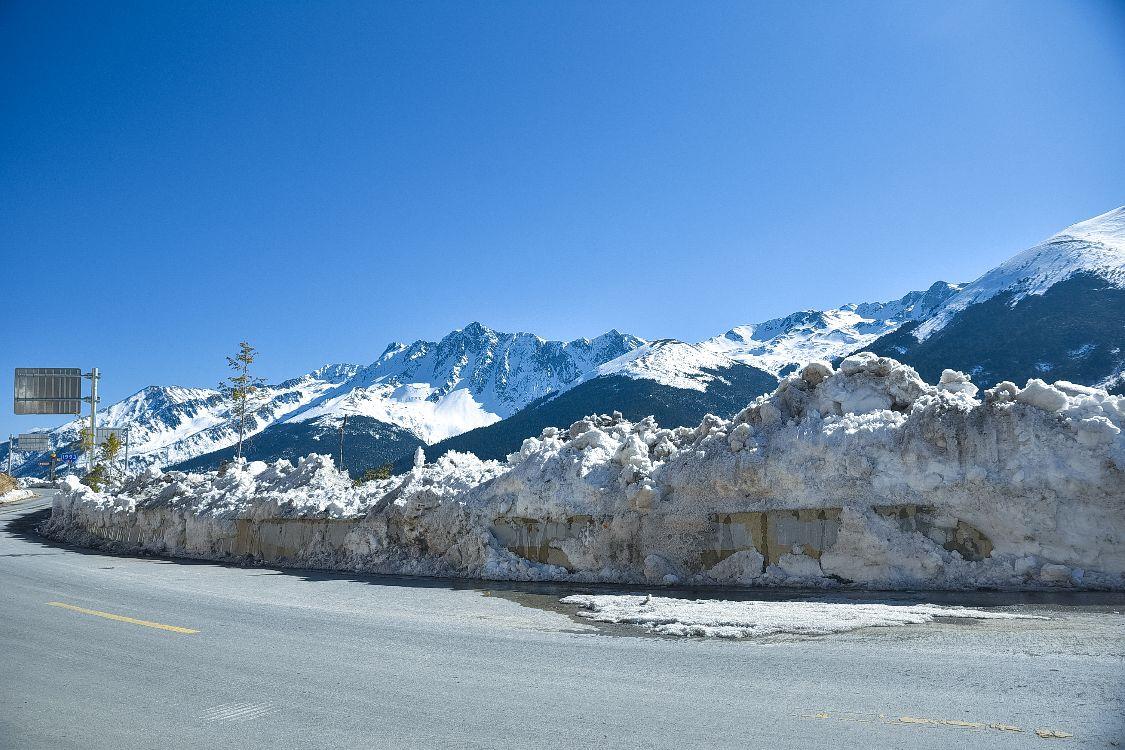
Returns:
(676, 382)
(473, 377)
(1056, 310)
(1095, 246)
(368, 443)
(669, 362)
(783, 344)
(168, 424)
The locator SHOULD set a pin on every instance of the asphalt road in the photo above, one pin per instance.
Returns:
(306, 659)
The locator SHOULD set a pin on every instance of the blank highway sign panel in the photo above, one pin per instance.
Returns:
(104, 433)
(34, 442)
(48, 390)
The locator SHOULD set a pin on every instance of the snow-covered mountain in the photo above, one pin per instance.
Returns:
(1095, 246)
(473, 377)
(1055, 311)
(676, 382)
(169, 424)
(429, 390)
(669, 362)
(781, 345)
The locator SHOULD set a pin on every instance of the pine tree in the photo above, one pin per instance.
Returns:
(110, 448)
(86, 439)
(240, 388)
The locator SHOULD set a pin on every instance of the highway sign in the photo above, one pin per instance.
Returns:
(69, 457)
(104, 433)
(48, 390)
(34, 442)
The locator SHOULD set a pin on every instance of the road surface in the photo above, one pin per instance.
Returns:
(103, 651)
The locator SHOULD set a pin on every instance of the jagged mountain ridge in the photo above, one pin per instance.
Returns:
(472, 377)
(781, 345)
(1056, 310)
(676, 382)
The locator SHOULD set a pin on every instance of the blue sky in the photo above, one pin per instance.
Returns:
(324, 177)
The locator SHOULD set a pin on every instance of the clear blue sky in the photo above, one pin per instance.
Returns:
(323, 177)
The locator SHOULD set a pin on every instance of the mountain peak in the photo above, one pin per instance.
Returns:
(1106, 229)
(1095, 246)
(476, 328)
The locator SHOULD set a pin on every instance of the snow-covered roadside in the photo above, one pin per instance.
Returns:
(15, 496)
(753, 619)
(864, 476)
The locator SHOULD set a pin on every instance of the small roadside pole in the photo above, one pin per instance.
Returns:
(343, 424)
(52, 463)
(11, 450)
(92, 399)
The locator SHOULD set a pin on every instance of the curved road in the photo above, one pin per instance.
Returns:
(102, 651)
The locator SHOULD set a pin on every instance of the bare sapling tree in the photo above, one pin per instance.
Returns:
(240, 388)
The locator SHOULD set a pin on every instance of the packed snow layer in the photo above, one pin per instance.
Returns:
(750, 619)
(862, 476)
(1095, 246)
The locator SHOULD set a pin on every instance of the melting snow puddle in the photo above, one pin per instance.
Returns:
(751, 619)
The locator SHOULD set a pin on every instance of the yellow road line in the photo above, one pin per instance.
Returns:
(122, 618)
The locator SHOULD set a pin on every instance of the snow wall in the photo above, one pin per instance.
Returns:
(863, 476)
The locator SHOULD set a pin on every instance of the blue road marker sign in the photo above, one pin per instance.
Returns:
(69, 457)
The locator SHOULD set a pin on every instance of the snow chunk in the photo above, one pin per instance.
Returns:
(1042, 396)
(755, 619)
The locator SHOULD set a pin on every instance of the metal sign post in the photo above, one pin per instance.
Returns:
(93, 375)
(343, 424)
(11, 450)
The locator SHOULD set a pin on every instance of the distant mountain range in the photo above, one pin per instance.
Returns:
(1055, 311)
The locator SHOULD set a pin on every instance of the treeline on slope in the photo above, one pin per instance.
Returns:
(368, 444)
(1075, 331)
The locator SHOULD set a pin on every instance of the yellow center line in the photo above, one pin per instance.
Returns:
(122, 618)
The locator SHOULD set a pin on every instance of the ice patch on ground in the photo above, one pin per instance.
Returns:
(754, 619)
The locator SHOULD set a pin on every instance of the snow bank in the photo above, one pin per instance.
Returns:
(15, 496)
(750, 619)
(864, 476)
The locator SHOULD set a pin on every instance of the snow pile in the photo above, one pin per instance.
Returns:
(754, 619)
(863, 476)
(15, 496)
